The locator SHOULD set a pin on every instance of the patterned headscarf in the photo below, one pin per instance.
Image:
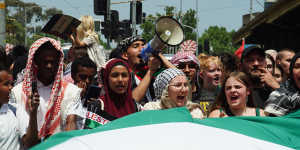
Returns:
(124, 44)
(184, 56)
(52, 117)
(163, 80)
(188, 45)
(115, 104)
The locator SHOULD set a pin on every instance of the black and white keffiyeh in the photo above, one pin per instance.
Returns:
(124, 44)
(286, 99)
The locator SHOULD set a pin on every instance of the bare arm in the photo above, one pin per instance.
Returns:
(31, 137)
(217, 114)
(75, 40)
(165, 61)
(71, 123)
(139, 92)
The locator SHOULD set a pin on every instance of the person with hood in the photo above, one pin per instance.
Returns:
(286, 99)
(60, 105)
(188, 63)
(172, 90)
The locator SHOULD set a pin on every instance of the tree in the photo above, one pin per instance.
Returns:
(219, 38)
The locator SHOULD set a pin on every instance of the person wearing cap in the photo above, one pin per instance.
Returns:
(286, 99)
(253, 63)
(172, 90)
(141, 73)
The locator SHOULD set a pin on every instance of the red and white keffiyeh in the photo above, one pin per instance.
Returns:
(189, 45)
(184, 56)
(52, 117)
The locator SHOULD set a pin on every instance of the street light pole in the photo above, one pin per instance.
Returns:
(197, 21)
(133, 17)
(25, 26)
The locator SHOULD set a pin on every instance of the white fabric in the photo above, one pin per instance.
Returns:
(95, 51)
(12, 127)
(71, 103)
(168, 136)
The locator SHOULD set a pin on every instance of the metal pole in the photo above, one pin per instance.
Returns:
(25, 27)
(197, 22)
(134, 17)
(180, 11)
(251, 9)
(2, 23)
(108, 20)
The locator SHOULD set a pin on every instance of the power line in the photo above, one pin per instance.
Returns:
(260, 3)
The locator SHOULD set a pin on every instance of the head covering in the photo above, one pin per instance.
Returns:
(124, 44)
(52, 118)
(292, 65)
(252, 49)
(189, 45)
(164, 78)
(184, 56)
(115, 104)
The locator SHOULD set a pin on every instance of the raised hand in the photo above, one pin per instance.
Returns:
(267, 78)
(34, 102)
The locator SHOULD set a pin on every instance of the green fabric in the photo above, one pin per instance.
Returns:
(91, 124)
(279, 130)
(257, 112)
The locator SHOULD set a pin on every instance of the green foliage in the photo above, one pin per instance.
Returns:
(15, 21)
(220, 39)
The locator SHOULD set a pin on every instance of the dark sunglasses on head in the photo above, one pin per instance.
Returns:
(190, 65)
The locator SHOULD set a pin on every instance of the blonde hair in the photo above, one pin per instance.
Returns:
(167, 103)
(87, 28)
(205, 62)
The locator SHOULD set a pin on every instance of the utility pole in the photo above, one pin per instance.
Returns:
(133, 17)
(109, 21)
(251, 9)
(197, 22)
(2, 23)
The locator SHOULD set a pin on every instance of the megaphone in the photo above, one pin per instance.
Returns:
(168, 32)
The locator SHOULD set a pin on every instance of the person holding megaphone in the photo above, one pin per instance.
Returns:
(145, 59)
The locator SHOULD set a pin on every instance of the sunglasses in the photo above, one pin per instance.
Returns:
(84, 77)
(190, 65)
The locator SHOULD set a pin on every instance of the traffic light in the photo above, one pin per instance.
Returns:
(97, 25)
(106, 30)
(101, 6)
(124, 29)
(138, 12)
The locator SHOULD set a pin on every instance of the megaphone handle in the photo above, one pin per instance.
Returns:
(146, 51)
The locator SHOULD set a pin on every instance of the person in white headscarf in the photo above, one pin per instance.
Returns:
(172, 90)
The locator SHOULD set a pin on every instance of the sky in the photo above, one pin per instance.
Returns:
(226, 13)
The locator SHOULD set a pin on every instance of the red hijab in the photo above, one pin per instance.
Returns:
(117, 105)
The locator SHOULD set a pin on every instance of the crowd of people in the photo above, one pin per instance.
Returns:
(42, 94)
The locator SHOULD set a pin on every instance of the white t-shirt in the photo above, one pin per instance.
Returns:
(70, 105)
(13, 126)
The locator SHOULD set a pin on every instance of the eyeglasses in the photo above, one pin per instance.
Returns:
(183, 65)
(269, 67)
(179, 86)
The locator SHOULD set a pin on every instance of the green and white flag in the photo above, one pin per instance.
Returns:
(175, 129)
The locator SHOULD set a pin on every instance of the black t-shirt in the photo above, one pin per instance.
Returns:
(260, 96)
